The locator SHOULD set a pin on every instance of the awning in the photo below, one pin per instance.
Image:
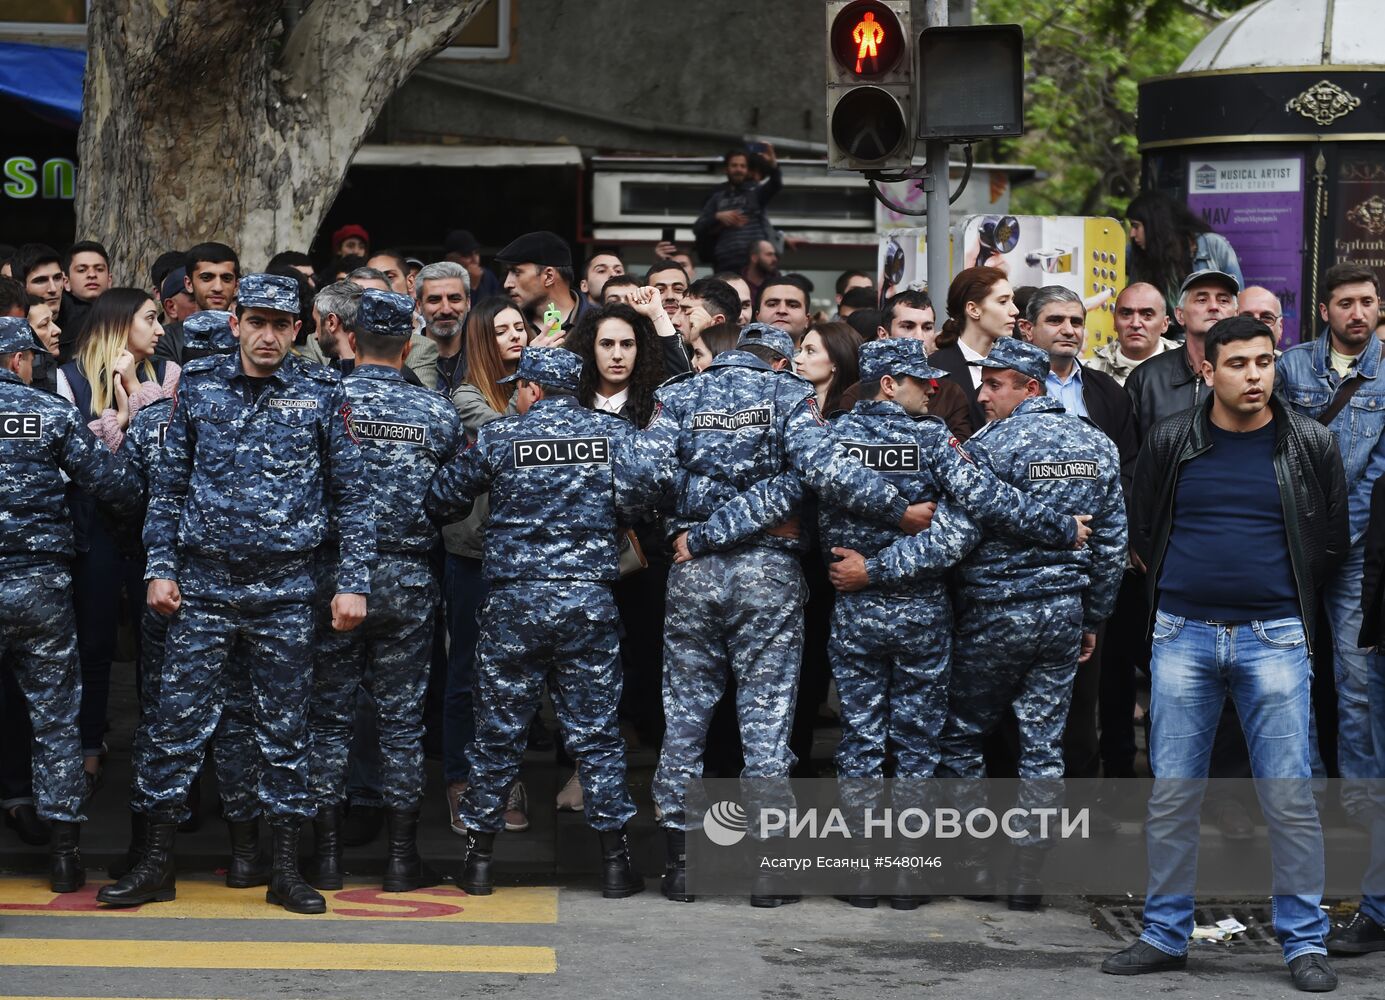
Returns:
(48, 80)
(430, 155)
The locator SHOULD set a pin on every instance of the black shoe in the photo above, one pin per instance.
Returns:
(1358, 936)
(405, 871)
(65, 861)
(153, 880)
(362, 825)
(1026, 889)
(768, 893)
(860, 902)
(323, 870)
(24, 820)
(134, 852)
(476, 877)
(674, 884)
(249, 867)
(1232, 820)
(618, 876)
(286, 885)
(1312, 974)
(1141, 958)
(909, 902)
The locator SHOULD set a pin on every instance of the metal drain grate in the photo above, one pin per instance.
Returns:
(1126, 922)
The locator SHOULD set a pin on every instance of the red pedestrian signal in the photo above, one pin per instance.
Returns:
(869, 100)
(866, 39)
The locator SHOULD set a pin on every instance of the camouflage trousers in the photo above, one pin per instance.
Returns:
(234, 752)
(38, 641)
(738, 611)
(562, 631)
(389, 653)
(1020, 655)
(229, 636)
(891, 655)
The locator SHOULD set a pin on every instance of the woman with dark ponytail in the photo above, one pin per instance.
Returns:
(980, 310)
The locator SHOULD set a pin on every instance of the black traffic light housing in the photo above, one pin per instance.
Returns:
(869, 87)
(970, 82)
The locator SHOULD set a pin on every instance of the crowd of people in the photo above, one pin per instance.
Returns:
(685, 505)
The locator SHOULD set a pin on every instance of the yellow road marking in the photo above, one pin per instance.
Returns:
(213, 901)
(262, 955)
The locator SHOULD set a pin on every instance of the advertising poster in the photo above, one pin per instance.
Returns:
(1257, 204)
(1360, 222)
(903, 263)
(1083, 253)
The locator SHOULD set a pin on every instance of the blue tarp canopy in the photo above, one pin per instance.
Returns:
(48, 80)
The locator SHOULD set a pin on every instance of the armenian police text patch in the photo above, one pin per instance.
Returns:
(1070, 469)
(885, 457)
(381, 430)
(715, 420)
(283, 403)
(20, 426)
(537, 452)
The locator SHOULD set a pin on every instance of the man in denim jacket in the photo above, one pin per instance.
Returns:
(1312, 375)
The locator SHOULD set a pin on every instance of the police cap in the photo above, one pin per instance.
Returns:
(268, 291)
(550, 367)
(388, 314)
(896, 356)
(1018, 356)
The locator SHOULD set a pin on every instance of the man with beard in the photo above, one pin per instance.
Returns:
(443, 294)
(538, 273)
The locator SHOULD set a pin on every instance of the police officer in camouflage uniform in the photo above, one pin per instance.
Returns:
(233, 748)
(42, 437)
(732, 446)
(891, 640)
(551, 555)
(406, 433)
(258, 456)
(1025, 614)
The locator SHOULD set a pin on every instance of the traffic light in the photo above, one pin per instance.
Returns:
(971, 81)
(869, 91)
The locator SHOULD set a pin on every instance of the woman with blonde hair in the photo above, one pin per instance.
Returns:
(494, 339)
(112, 376)
(114, 373)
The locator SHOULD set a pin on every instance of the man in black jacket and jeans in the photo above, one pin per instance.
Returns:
(1239, 512)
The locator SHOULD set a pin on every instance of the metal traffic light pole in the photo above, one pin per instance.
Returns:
(936, 200)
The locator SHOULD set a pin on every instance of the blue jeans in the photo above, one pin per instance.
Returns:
(1264, 667)
(1352, 669)
(464, 589)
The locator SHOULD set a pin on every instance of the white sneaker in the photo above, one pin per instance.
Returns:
(570, 798)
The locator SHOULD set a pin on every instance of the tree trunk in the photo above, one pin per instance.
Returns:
(216, 120)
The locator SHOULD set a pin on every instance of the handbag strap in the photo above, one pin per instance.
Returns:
(1344, 393)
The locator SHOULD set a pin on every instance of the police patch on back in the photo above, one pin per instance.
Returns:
(538, 452)
(885, 458)
(717, 420)
(390, 432)
(20, 426)
(1072, 468)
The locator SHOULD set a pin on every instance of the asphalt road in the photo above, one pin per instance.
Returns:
(545, 942)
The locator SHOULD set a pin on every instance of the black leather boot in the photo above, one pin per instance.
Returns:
(24, 820)
(323, 870)
(286, 885)
(675, 882)
(1026, 888)
(404, 869)
(476, 877)
(65, 861)
(248, 867)
(770, 887)
(618, 876)
(153, 880)
(134, 852)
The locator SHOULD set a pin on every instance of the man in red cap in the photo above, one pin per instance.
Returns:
(351, 240)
